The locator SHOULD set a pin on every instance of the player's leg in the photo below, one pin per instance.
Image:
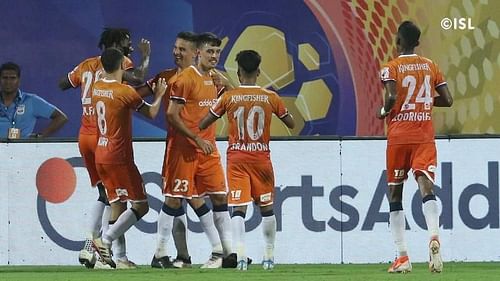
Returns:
(238, 229)
(210, 178)
(86, 145)
(179, 232)
(123, 183)
(397, 170)
(240, 196)
(424, 165)
(178, 174)
(269, 233)
(262, 183)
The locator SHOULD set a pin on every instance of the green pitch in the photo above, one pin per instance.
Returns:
(299, 272)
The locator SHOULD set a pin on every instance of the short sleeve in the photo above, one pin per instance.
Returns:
(219, 108)
(181, 89)
(132, 99)
(42, 108)
(439, 81)
(75, 75)
(127, 64)
(279, 108)
(388, 73)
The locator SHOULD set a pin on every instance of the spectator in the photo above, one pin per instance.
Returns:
(20, 110)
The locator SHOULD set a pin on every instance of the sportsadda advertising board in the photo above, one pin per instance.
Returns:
(330, 203)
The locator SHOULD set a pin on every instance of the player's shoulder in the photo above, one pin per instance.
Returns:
(166, 73)
(92, 63)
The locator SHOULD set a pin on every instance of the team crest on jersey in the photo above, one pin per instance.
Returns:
(384, 73)
(20, 109)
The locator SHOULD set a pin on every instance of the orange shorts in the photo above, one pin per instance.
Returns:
(400, 158)
(189, 173)
(250, 182)
(87, 145)
(123, 182)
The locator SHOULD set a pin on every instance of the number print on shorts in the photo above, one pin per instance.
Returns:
(181, 185)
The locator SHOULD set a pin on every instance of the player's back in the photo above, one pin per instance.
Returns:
(114, 103)
(84, 75)
(416, 77)
(249, 110)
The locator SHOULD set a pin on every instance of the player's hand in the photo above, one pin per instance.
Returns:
(160, 88)
(204, 145)
(220, 80)
(144, 47)
(381, 114)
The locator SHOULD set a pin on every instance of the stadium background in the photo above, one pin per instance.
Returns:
(321, 56)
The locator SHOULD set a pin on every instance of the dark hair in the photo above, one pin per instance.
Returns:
(11, 66)
(410, 33)
(248, 60)
(111, 59)
(208, 38)
(188, 36)
(112, 36)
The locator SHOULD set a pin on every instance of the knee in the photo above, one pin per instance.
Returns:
(174, 203)
(140, 209)
(218, 199)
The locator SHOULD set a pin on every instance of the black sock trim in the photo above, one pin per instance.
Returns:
(201, 211)
(220, 208)
(395, 206)
(267, 213)
(172, 212)
(111, 222)
(428, 197)
(137, 216)
(238, 214)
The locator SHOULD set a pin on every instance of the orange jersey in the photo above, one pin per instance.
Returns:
(114, 103)
(410, 119)
(198, 93)
(249, 110)
(85, 75)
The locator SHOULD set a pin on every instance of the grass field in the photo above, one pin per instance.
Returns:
(452, 271)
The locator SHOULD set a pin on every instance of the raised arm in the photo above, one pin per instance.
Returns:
(137, 75)
(151, 110)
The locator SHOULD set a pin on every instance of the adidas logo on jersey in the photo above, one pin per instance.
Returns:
(207, 102)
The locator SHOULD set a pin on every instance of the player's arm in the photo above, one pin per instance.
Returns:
(207, 120)
(288, 121)
(64, 83)
(136, 76)
(444, 99)
(221, 82)
(144, 90)
(57, 120)
(174, 119)
(151, 110)
(390, 99)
